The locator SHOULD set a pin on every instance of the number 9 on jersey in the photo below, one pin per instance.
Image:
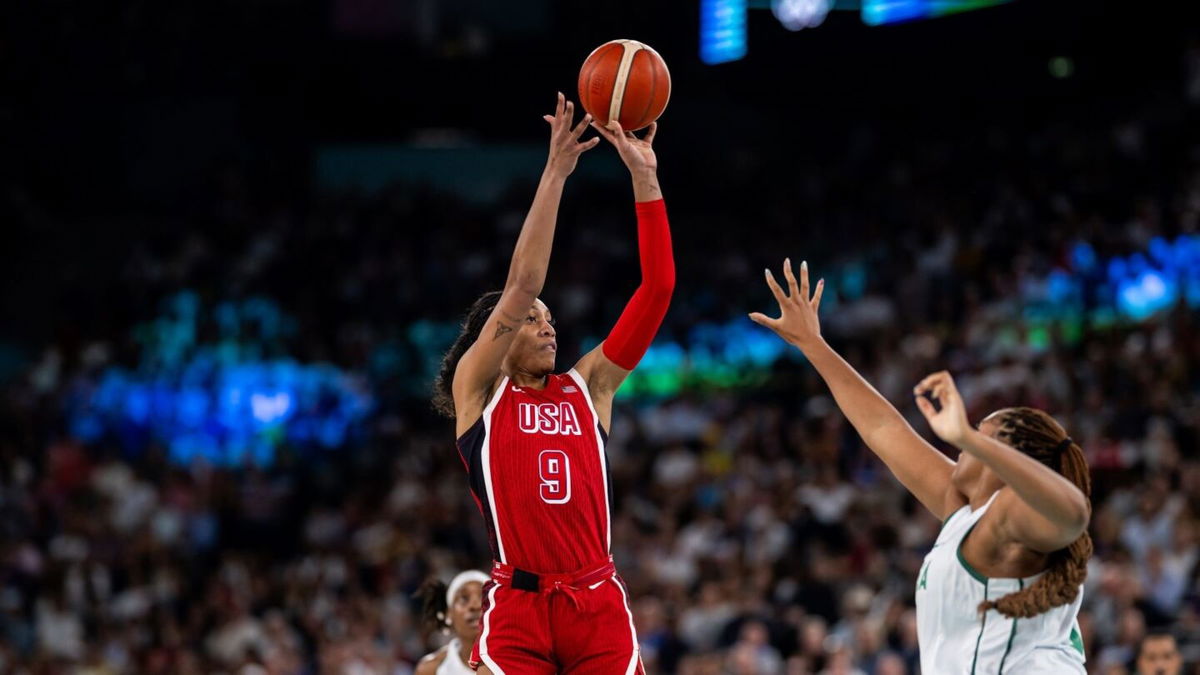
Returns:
(554, 468)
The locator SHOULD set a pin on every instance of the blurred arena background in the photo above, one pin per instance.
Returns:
(237, 237)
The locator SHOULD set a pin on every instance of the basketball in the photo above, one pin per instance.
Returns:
(627, 81)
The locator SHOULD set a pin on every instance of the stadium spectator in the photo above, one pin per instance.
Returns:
(1158, 655)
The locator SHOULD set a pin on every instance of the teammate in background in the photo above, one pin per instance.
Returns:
(533, 441)
(453, 609)
(1158, 655)
(1001, 589)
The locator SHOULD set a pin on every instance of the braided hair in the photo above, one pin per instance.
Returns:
(434, 611)
(477, 316)
(1038, 435)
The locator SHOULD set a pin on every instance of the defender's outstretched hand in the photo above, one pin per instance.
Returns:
(565, 147)
(950, 421)
(637, 153)
(799, 324)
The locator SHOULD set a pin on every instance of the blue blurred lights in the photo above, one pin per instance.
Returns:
(800, 14)
(268, 408)
(1083, 257)
(1146, 294)
(879, 12)
(1132, 287)
(225, 401)
(222, 401)
(1150, 282)
(722, 31)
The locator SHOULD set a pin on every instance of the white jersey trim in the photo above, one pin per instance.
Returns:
(637, 648)
(486, 460)
(487, 628)
(453, 663)
(587, 396)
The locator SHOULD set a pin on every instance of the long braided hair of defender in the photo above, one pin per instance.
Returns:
(1038, 435)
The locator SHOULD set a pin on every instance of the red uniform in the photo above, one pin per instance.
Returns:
(537, 467)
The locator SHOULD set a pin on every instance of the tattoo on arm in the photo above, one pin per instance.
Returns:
(501, 329)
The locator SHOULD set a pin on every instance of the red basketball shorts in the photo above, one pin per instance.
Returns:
(574, 624)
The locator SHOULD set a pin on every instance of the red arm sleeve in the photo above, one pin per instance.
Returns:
(633, 332)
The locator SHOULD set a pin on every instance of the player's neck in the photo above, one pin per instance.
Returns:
(981, 490)
(527, 380)
(464, 649)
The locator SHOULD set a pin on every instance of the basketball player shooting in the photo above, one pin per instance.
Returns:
(533, 441)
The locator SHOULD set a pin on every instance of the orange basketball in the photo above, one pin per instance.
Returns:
(624, 80)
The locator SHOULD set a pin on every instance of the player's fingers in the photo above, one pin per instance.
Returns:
(588, 144)
(926, 386)
(619, 141)
(606, 133)
(582, 126)
(949, 379)
(763, 320)
(926, 407)
(927, 383)
(615, 127)
(775, 289)
(804, 288)
(650, 134)
(558, 107)
(941, 388)
(948, 394)
(793, 290)
(941, 383)
(816, 299)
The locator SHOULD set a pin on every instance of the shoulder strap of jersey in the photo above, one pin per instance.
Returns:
(496, 396)
(578, 379)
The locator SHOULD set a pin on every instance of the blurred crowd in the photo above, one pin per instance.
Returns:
(756, 533)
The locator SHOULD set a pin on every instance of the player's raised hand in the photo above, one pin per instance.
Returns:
(798, 324)
(565, 146)
(949, 418)
(637, 153)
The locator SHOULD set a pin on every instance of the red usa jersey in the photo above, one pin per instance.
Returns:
(536, 464)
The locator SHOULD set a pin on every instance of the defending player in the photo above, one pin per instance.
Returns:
(455, 608)
(1000, 591)
(533, 441)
